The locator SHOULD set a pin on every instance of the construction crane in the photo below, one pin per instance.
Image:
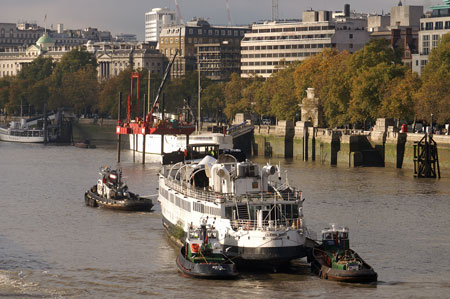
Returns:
(180, 18)
(228, 13)
(274, 10)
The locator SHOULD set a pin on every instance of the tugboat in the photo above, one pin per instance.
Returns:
(111, 192)
(334, 260)
(202, 255)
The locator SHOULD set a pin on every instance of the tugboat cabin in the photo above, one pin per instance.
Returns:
(334, 239)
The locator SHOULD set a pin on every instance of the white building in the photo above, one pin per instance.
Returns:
(112, 57)
(432, 28)
(155, 20)
(271, 42)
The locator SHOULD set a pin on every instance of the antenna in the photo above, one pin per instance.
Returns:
(180, 18)
(274, 10)
(228, 13)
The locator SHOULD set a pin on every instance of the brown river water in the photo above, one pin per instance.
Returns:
(53, 246)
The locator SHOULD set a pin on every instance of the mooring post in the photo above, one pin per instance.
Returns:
(143, 135)
(45, 124)
(305, 143)
(119, 110)
(162, 118)
(313, 145)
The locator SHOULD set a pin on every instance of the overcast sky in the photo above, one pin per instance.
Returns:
(119, 16)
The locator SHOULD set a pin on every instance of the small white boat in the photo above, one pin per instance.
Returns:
(20, 132)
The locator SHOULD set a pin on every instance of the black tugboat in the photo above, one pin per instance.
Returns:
(202, 256)
(334, 260)
(111, 192)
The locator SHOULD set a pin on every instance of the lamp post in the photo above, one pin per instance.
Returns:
(431, 125)
(199, 91)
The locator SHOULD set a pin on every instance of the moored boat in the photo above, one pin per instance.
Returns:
(111, 192)
(20, 132)
(202, 255)
(259, 220)
(334, 260)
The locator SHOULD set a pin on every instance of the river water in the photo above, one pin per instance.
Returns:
(52, 245)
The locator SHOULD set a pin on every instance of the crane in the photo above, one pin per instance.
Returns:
(274, 10)
(180, 18)
(228, 13)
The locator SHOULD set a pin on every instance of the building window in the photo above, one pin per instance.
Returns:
(429, 26)
(447, 24)
(439, 25)
(191, 31)
(350, 35)
(435, 41)
(199, 31)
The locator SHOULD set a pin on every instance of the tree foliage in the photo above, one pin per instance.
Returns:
(434, 94)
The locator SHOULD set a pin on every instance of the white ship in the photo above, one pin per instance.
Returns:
(173, 143)
(258, 220)
(20, 132)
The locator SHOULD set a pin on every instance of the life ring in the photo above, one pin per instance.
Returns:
(247, 225)
(328, 261)
(299, 222)
(194, 247)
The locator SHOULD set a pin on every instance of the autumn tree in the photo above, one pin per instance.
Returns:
(233, 92)
(398, 101)
(368, 89)
(71, 62)
(80, 89)
(284, 102)
(434, 94)
(213, 99)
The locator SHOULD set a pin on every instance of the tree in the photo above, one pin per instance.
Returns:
(434, 94)
(375, 52)
(80, 89)
(234, 97)
(213, 99)
(368, 89)
(398, 101)
(71, 62)
(284, 103)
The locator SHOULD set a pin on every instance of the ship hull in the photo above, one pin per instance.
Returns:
(243, 245)
(22, 139)
(92, 199)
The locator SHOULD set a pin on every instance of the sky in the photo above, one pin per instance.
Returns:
(119, 16)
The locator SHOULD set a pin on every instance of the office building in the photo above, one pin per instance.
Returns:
(155, 20)
(432, 27)
(271, 44)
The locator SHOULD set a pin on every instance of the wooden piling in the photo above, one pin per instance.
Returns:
(119, 110)
(45, 124)
(143, 135)
(313, 145)
(305, 143)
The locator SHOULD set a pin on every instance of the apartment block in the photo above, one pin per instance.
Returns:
(155, 20)
(433, 26)
(186, 38)
(271, 44)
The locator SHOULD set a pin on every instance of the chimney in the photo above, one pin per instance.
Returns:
(347, 10)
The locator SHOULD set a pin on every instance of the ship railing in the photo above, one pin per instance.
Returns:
(267, 225)
(218, 197)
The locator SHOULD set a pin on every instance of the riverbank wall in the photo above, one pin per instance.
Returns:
(383, 147)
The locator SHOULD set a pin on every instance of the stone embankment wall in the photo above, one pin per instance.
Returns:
(383, 146)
